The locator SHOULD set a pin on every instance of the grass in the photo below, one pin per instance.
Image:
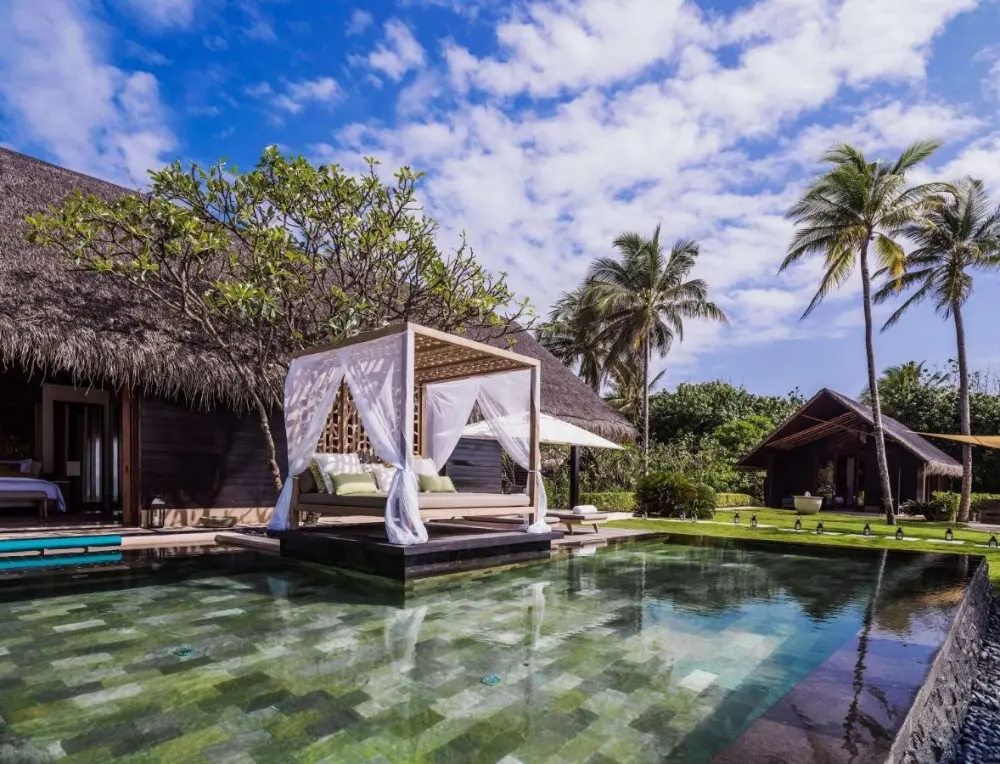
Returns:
(883, 536)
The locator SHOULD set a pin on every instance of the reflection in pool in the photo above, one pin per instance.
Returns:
(656, 651)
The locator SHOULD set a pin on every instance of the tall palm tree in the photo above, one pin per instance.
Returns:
(959, 233)
(643, 299)
(572, 335)
(855, 206)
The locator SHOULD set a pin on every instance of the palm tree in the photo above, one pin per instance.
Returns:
(626, 388)
(852, 207)
(572, 335)
(959, 233)
(643, 299)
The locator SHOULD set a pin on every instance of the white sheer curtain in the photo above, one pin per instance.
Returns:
(310, 389)
(505, 400)
(448, 406)
(378, 374)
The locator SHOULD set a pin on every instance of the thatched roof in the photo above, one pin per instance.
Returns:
(57, 318)
(829, 413)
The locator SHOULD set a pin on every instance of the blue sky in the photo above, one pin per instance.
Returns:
(546, 128)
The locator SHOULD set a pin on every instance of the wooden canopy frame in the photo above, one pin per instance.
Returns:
(430, 356)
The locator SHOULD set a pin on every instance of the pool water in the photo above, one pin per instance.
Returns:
(654, 651)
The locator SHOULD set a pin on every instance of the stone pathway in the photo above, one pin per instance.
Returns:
(979, 742)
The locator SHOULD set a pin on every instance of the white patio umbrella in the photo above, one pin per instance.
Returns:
(551, 430)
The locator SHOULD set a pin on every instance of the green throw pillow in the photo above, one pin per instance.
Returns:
(319, 484)
(353, 483)
(436, 484)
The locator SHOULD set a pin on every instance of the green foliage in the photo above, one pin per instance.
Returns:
(940, 509)
(725, 500)
(952, 500)
(668, 494)
(695, 410)
(610, 501)
(557, 491)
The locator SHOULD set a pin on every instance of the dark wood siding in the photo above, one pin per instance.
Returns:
(476, 466)
(205, 459)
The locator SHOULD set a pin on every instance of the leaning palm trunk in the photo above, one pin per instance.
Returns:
(265, 428)
(883, 465)
(963, 409)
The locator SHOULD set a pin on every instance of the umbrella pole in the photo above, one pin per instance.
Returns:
(574, 476)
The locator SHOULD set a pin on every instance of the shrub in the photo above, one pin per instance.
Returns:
(610, 501)
(557, 493)
(936, 510)
(667, 494)
(723, 500)
(704, 502)
(953, 499)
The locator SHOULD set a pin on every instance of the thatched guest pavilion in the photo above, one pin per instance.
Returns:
(115, 402)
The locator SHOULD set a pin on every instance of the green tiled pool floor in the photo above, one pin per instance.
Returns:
(648, 652)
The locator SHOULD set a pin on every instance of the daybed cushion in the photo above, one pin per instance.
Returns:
(424, 465)
(436, 484)
(427, 500)
(354, 484)
(337, 464)
(383, 475)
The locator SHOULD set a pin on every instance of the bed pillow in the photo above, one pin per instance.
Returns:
(383, 475)
(312, 481)
(353, 483)
(337, 464)
(424, 465)
(436, 484)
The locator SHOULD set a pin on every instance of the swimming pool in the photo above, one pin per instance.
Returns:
(679, 650)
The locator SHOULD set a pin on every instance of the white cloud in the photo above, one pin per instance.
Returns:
(161, 14)
(296, 96)
(359, 22)
(657, 123)
(398, 53)
(59, 91)
(145, 55)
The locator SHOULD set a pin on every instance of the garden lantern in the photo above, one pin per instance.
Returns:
(819, 527)
(753, 521)
(993, 542)
(798, 524)
(736, 517)
(899, 533)
(868, 530)
(948, 535)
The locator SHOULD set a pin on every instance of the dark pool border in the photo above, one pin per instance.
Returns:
(931, 727)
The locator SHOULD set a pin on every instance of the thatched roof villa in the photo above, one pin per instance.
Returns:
(115, 400)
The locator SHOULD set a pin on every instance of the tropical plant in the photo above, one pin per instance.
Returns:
(643, 299)
(254, 265)
(856, 206)
(957, 234)
(667, 494)
(572, 335)
(626, 393)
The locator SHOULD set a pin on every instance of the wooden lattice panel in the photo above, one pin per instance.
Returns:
(344, 433)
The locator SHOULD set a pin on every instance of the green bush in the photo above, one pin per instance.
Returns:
(557, 493)
(668, 494)
(610, 501)
(723, 500)
(953, 499)
(937, 509)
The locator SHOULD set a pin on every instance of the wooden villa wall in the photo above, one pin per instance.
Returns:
(476, 466)
(199, 459)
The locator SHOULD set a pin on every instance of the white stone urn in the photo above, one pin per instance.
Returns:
(808, 505)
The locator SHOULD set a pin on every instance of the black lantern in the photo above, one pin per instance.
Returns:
(753, 521)
(157, 512)
(993, 542)
(899, 533)
(736, 517)
(798, 524)
(948, 535)
(868, 530)
(819, 527)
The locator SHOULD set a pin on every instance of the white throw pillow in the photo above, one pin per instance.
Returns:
(424, 465)
(383, 475)
(337, 464)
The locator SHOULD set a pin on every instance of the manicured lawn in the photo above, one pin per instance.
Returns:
(883, 536)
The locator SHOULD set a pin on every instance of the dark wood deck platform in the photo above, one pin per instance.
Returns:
(451, 548)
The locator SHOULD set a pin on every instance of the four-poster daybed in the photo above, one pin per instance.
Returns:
(403, 395)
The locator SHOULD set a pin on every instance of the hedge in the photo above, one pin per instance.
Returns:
(610, 501)
(723, 500)
(952, 499)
